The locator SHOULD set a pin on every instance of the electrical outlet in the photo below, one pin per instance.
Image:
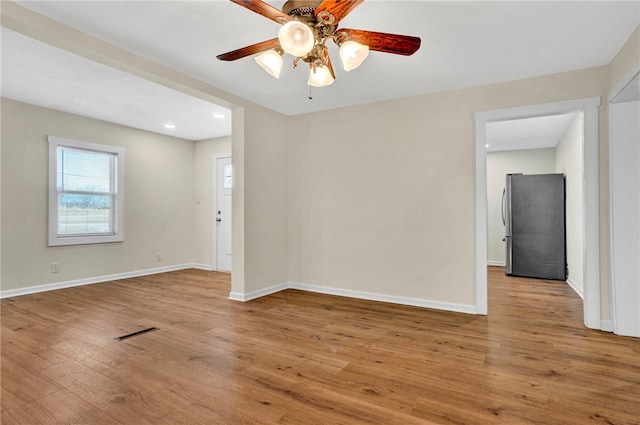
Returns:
(55, 267)
(158, 256)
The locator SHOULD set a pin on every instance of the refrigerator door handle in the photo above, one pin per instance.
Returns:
(504, 221)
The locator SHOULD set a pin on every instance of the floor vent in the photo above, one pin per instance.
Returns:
(131, 335)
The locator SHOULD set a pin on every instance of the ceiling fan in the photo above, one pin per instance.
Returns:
(307, 25)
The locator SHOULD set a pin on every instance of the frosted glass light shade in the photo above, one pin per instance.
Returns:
(296, 38)
(353, 54)
(320, 77)
(270, 61)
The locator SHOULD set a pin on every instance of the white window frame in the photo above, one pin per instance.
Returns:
(116, 177)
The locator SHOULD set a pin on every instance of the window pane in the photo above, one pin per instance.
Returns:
(83, 214)
(83, 170)
(227, 177)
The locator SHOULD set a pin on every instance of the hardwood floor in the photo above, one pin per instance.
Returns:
(303, 358)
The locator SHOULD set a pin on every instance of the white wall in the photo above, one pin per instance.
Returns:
(204, 155)
(569, 161)
(158, 210)
(625, 216)
(526, 161)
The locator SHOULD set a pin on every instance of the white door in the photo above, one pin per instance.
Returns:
(224, 182)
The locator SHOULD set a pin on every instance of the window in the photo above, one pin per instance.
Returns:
(228, 177)
(85, 192)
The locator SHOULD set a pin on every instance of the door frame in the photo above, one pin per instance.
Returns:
(611, 99)
(590, 225)
(214, 249)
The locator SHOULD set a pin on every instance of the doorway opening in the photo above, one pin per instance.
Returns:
(541, 157)
(589, 222)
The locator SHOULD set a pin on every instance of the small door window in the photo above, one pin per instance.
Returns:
(228, 177)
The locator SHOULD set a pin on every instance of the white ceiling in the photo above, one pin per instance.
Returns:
(43, 75)
(528, 133)
(464, 44)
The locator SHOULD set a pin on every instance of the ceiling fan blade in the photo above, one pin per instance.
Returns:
(382, 42)
(249, 50)
(338, 8)
(264, 9)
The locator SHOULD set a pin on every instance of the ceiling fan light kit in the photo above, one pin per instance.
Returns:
(296, 38)
(353, 54)
(307, 25)
(320, 76)
(271, 61)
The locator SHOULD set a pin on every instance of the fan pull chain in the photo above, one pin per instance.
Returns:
(310, 97)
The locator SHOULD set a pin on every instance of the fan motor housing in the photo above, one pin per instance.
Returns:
(302, 8)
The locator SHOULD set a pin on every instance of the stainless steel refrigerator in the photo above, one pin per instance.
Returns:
(533, 213)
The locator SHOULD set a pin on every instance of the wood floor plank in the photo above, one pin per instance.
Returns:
(20, 385)
(301, 358)
(17, 416)
(64, 407)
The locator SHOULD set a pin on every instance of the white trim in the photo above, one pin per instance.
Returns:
(205, 267)
(481, 217)
(239, 296)
(591, 225)
(606, 325)
(496, 263)
(611, 99)
(577, 290)
(619, 88)
(116, 190)
(371, 296)
(459, 308)
(98, 279)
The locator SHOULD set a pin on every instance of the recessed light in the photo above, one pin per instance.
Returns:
(219, 116)
(170, 126)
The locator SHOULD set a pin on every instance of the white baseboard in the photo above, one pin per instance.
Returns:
(606, 325)
(496, 263)
(417, 302)
(239, 296)
(575, 287)
(460, 308)
(99, 279)
(199, 266)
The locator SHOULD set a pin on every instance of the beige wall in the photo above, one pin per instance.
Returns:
(266, 232)
(255, 130)
(383, 198)
(158, 214)
(525, 161)
(626, 59)
(205, 152)
(568, 161)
